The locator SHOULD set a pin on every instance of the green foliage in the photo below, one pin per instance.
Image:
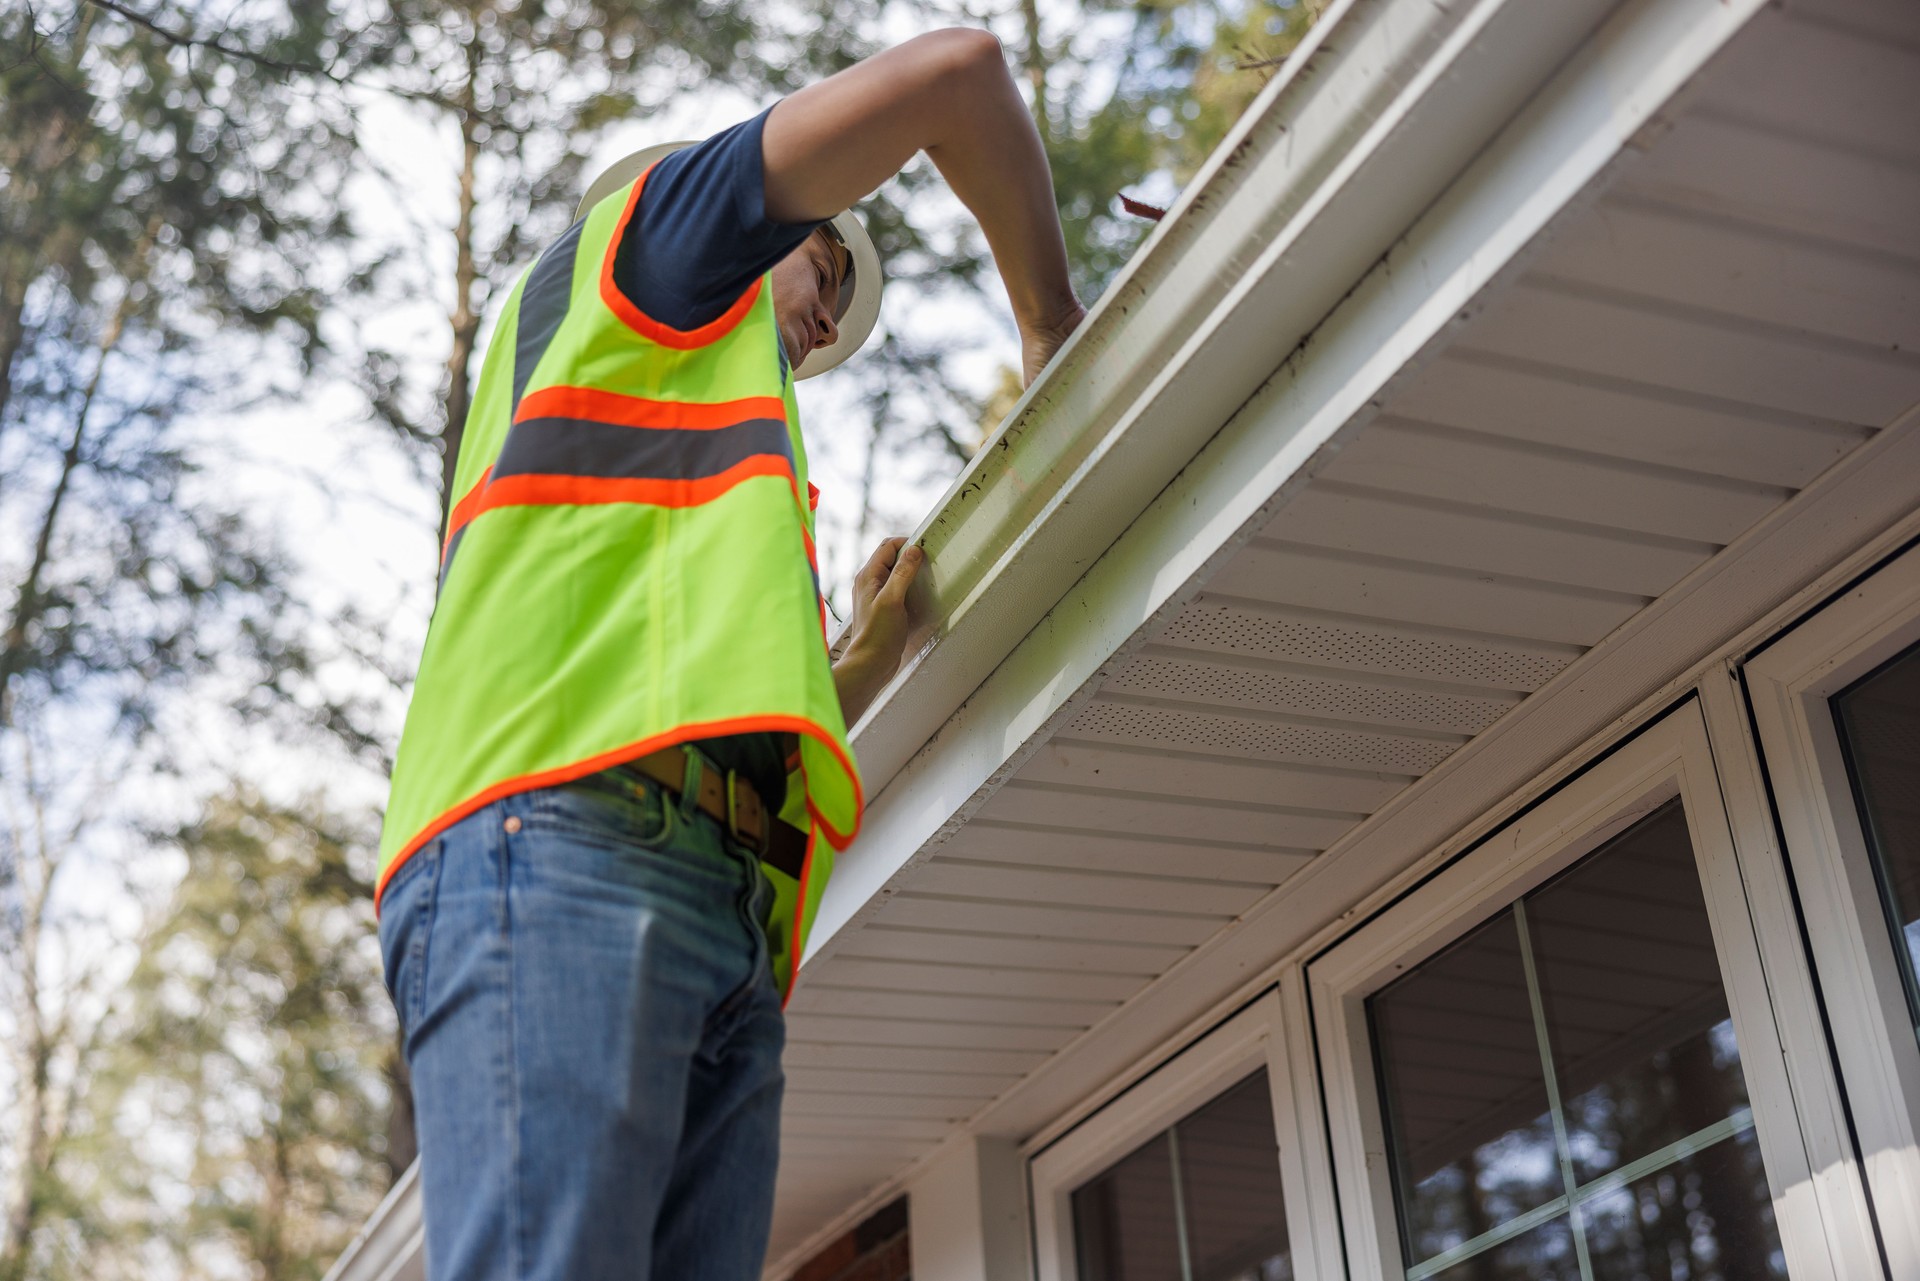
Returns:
(1153, 107)
(235, 1118)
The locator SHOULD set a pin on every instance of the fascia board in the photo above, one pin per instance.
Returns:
(1502, 187)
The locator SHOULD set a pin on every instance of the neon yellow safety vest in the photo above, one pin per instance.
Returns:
(629, 566)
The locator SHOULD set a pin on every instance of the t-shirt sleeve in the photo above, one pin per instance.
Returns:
(701, 234)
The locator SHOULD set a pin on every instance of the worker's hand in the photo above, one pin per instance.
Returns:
(1038, 343)
(878, 635)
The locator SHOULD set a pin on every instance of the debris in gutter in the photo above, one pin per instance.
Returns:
(1141, 209)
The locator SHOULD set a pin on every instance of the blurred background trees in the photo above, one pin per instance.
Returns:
(249, 253)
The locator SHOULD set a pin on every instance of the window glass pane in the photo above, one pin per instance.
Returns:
(1636, 1012)
(1880, 726)
(1704, 1218)
(1465, 1094)
(1230, 1175)
(1124, 1226)
(1544, 1253)
(1609, 972)
(1200, 1201)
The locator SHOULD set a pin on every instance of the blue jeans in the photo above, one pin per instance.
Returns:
(591, 1022)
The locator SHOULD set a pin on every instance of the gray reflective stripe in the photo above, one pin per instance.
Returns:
(582, 447)
(543, 305)
(446, 559)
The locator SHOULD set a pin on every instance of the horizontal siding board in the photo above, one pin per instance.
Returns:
(1321, 580)
(1827, 82)
(1121, 811)
(915, 976)
(1478, 538)
(1089, 889)
(857, 1130)
(1624, 419)
(1717, 166)
(1001, 917)
(1411, 458)
(877, 1107)
(1897, 24)
(879, 941)
(1232, 681)
(1851, 383)
(1658, 252)
(1214, 778)
(906, 1062)
(1122, 854)
(868, 1083)
(837, 1029)
(951, 1007)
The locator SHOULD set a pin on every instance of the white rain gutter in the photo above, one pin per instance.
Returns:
(1367, 125)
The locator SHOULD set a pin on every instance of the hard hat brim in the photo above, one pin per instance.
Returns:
(858, 313)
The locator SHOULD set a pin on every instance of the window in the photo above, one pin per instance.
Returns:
(1563, 1088)
(1556, 1057)
(1835, 703)
(1199, 1172)
(1200, 1201)
(1879, 721)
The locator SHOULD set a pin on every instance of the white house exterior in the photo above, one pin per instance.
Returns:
(1414, 767)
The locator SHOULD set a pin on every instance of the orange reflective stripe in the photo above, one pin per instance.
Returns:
(465, 510)
(646, 326)
(584, 491)
(637, 411)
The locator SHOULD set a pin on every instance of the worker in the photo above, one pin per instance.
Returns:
(625, 766)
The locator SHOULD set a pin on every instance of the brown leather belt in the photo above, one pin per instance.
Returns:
(731, 799)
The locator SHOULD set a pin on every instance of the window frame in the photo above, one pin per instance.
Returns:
(1669, 757)
(1789, 686)
(1255, 1037)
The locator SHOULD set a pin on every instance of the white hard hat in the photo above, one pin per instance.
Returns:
(859, 292)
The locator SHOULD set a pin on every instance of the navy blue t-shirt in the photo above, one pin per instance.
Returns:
(699, 238)
(702, 234)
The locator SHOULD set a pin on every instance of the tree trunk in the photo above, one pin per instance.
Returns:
(1035, 58)
(465, 320)
(27, 602)
(33, 1062)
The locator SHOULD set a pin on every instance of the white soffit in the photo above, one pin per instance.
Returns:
(1089, 852)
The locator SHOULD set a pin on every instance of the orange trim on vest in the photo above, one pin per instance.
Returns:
(620, 755)
(646, 326)
(562, 401)
(799, 910)
(589, 491)
(465, 510)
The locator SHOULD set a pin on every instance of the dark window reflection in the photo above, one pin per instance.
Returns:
(1632, 1052)
(1466, 1098)
(1199, 1202)
(1880, 728)
(1636, 1011)
(1230, 1173)
(1703, 1218)
(1543, 1254)
(1124, 1226)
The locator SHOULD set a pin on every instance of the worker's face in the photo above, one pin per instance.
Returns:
(806, 293)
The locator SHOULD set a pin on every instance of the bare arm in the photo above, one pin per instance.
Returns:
(948, 94)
